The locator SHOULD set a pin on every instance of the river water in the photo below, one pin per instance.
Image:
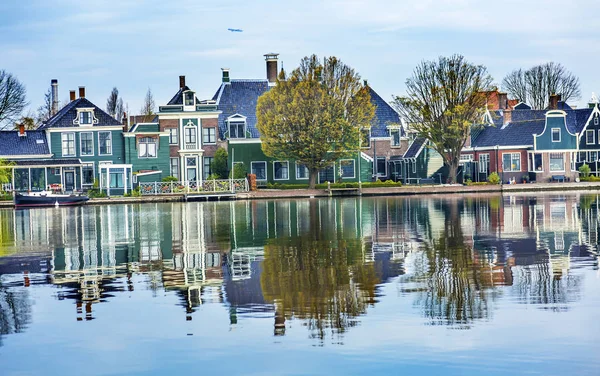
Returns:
(441, 286)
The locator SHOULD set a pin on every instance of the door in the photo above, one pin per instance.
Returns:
(327, 174)
(69, 180)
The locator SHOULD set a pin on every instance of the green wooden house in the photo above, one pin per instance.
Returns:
(147, 151)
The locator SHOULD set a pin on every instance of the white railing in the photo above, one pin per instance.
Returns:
(182, 187)
(191, 146)
(6, 187)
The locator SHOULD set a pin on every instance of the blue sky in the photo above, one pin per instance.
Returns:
(136, 45)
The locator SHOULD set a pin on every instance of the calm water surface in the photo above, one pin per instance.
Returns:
(476, 285)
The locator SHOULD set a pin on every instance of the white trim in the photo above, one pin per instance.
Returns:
(186, 115)
(511, 160)
(32, 156)
(156, 150)
(288, 170)
(266, 170)
(149, 173)
(62, 146)
(366, 157)
(111, 143)
(236, 116)
(549, 164)
(480, 163)
(552, 134)
(244, 140)
(80, 148)
(298, 178)
(353, 168)
(159, 134)
(215, 136)
(84, 129)
(596, 112)
(593, 133)
(493, 148)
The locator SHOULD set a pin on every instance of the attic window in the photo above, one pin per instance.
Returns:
(189, 98)
(85, 117)
(596, 121)
(237, 129)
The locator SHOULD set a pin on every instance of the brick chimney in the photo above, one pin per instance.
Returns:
(22, 130)
(71, 95)
(82, 92)
(502, 101)
(54, 85)
(124, 121)
(271, 60)
(181, 82)
(225, 75)
(507, 115)
(553, 101)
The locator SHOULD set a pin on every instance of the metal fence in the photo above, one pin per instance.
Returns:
(6, 187)
(182, 187)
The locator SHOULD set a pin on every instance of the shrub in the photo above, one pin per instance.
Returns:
(95, 193)
(212, 177)
(493, 178)
(5, 196)
(219, 164)
(584, 170)
(591, 178)
(239, 171)
(169, 179)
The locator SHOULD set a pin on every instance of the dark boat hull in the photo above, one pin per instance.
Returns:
(22, 201)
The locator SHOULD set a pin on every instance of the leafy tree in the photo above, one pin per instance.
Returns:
(535, 85)
(5, 172)
(12, 98)
(442, 102)
(239, 171)
(114, 104)
(316, 115)
(219, 164)
(149, 104)
(28, 121)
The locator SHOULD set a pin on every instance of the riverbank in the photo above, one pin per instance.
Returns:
(408, 190)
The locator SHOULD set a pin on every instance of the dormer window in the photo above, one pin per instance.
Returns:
(237, 129)
(85, 118)
(189, 98)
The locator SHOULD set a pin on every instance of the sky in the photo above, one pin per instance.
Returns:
(136, 45)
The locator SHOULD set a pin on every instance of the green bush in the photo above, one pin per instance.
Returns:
(96, 193)
(5, 196)
(219, 164)
(239, 171)
(584, 171)
(213, 177)
(493, 178)
(591, 178)
(169, 179)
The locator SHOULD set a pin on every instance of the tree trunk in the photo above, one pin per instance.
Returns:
(452, 169)
(312, 180)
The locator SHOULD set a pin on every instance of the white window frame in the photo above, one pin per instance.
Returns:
(264, 163)
(206, 134)
(148, 143)
(559, 134)
(288, 170)
(485, 163)
(573, 161)
(173, 133)
(237, 122)
(298, 170)
(534, 166)
(550, 164)
(91, 117)
(511, 160)
(590, 132)
(93, 172)
(185, 95)
(81, 144)
(171, 167)
(353, 168)
(63, 137)
(385, 164)
(394, 130)
(108, 139)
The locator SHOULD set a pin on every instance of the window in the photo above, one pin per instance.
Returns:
(189, 98)
(174, 163)
(105, 143)
(381, 166)
(573, 165)
(281, 170)
(593, 156)
(589, 137)
(116, 179)
(68, 144)
(395, 135)
(347, 167)
(208, 135)
(301, 171)
(55, 171)
(466, 158)
(147, 147)
(173, 136)
(86, 140)
(511, 162)
(365, 138)
(596, 121)
(484, 163)
(191, 169)
(582, 156)
(85, 117)
(557, 161)
(88, 174)
(555, 134)
(259, 169)
(237, 129)
(206, 167)
(537, 162)
(190, 137)
(414, 167)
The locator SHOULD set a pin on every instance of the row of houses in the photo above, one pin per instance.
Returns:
(81, 146)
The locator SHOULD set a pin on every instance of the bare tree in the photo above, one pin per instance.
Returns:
(44, 112)
(149, 105)
(114, 104)
(443, 101)
(536, 84)
(12, 98)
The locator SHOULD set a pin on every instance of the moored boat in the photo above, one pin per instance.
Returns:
(47, 199)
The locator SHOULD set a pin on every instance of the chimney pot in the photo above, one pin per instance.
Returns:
(271, 60)
(21, 130)
(181, 82)
(553, 101)
(124, 121)
(72, 95)
(502, 101)
(54, 93)
(82, 92)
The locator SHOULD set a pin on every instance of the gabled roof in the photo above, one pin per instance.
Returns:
(385, 115)
(521, 106)
(415, 148)
(33, 143)
(178, 97)
(240, 97)
(65, 117)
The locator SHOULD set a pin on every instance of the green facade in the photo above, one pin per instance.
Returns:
(556, 124)
(141, 164)
(252, 152)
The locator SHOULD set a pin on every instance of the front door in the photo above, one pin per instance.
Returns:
(69, 180)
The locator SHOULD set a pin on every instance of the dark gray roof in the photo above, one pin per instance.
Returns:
(522, 106)
(65, 117)
(384, 115)
(240, 97)
(48, 162)
(33, 143)
(415, 148)
(178, 97)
